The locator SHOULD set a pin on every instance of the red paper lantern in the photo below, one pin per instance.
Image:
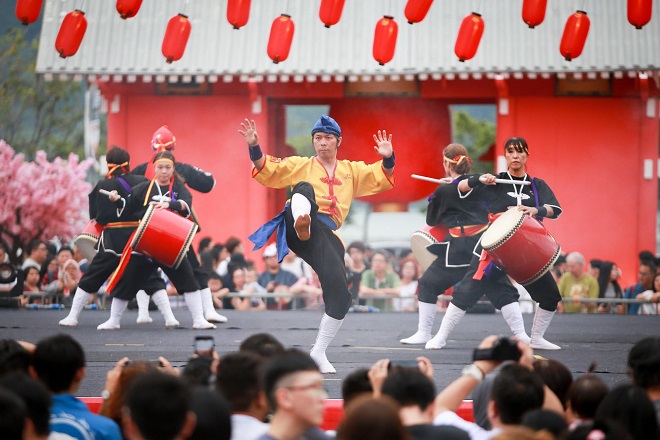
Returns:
(330, 11)
(128, 8)
(238, 13)
(469, 35)
(385, 39)
(639, 12)
(575, 35)
(27, 11)
(416, 10)
(281, 35)
(176, 38)
(71, 33)
(533, 12)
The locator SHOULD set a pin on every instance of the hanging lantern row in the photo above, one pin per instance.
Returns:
(128, 8)
(469, 36)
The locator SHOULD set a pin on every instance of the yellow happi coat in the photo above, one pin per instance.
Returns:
(333, 195)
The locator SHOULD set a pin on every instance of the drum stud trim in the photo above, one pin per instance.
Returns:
(545, 268)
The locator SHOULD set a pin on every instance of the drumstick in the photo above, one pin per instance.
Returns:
(438, 181)
(105, 193)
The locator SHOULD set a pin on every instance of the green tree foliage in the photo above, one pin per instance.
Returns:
(36, 114)
(476, 135)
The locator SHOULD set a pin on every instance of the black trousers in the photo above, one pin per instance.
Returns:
(324, 251)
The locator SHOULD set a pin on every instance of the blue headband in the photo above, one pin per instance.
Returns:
(326, 125)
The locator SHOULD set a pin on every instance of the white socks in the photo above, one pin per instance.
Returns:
(424, 326)
(116, 311)
(209, 310)
(194, 303)
(80, 300)
(143, 308)
(300, 205)
(452, 316)
(541, 322)
(162, 301)
(327, 331)
(513, 316)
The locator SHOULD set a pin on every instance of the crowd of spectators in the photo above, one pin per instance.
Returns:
(378, 280)
(266, 391)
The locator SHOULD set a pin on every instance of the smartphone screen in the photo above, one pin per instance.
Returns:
(204, 345)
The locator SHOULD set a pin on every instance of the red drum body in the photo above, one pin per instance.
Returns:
(164, 236)
(522, 245)
(88, 238)
(424, 237)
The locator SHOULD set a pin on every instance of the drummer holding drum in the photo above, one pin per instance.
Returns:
(165, 192)
(112, 229)
(535, 199)
(466, 221)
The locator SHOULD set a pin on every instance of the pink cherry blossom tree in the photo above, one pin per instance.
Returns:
(40, 199)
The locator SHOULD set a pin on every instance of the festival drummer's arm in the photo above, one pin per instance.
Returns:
(384, 148)
(249, 133)
(183, 202)
(196, 178)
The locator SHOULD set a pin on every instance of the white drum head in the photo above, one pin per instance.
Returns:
(502, 228)
(87, 245)
(419, 240)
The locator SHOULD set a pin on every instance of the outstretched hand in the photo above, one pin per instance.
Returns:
(383, 143)
(249, 132)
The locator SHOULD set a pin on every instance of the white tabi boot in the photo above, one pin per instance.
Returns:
(209, 311)
(194, 303)
(513, 316)
(300, 210)
(424, 326)
(80, 300)
(143, 308)
(162, 301)
(117, 309)
(327, 331)
(451, 318)
(541, 322)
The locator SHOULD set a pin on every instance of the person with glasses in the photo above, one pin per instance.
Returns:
(37, 253)
(294, 389)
